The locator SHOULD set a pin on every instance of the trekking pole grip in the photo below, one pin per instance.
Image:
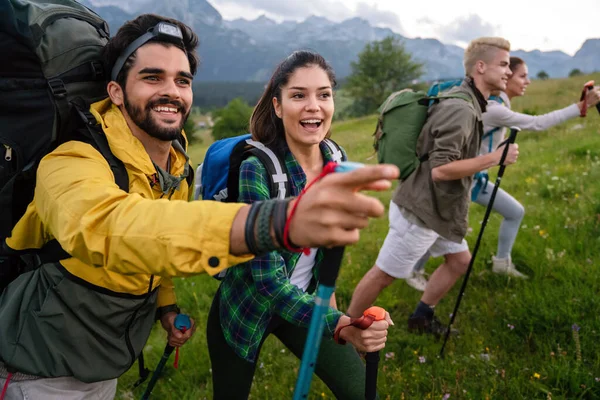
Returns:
(511, 140)
(591, 87)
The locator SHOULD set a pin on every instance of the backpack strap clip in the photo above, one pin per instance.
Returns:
(57, 88)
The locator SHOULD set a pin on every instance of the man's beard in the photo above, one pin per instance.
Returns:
(146, 122)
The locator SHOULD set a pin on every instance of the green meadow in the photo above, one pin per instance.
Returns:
(533, 339)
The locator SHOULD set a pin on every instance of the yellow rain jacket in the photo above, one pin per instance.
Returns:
(118, 241)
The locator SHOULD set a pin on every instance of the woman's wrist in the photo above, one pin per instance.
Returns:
(583, 106)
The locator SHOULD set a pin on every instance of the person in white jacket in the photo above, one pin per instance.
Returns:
(496, 120)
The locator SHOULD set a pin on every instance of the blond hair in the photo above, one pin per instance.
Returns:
(483, 48)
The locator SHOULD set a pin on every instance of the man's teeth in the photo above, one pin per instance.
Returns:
(165, 109)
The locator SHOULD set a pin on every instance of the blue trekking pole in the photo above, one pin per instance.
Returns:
(511, 139)
(183, 323)
(332, 260)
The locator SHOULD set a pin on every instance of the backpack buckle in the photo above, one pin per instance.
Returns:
(58, 89)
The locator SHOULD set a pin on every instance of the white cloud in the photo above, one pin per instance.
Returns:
(378, 17)
(466, 28)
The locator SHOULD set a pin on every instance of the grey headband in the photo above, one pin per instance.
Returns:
(164, 30)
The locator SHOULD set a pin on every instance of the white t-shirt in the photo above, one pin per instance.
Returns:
(303, 272)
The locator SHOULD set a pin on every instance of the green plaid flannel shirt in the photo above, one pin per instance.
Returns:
(251, 293)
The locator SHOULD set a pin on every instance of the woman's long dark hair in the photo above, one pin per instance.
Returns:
(266, 127)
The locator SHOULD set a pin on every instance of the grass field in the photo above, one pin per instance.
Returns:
(534, 339)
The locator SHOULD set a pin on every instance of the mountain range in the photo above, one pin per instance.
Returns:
(248, 50)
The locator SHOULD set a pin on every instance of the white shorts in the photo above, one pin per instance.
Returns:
(407, 241)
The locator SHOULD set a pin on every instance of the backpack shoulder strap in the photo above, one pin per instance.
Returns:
(336, 152)
(279, 182)
(462, 96)
(98, 139)
(497, 99)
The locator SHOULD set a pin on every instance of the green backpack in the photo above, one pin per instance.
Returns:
(401, 119)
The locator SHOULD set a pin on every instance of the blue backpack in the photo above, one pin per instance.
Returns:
(217, 177)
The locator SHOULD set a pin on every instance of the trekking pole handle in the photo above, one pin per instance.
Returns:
(511, 140)
(590, 86)
(183, 323)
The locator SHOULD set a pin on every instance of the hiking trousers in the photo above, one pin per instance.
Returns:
(65, 388)
(339, 366)
(511, 210)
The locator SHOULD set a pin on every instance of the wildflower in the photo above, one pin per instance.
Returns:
(597, 379)
(511, 327)
(542, 232)
(576, 195)
(536, 375)
(415, 352)
(422, 359)
(529, 180)
(446, 396)
(389, 355)
(322, 394)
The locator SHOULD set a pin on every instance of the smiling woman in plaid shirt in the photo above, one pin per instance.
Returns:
(275, 293)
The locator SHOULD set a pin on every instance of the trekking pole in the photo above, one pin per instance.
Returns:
(586, 88)
(183, 323)
(511, 139)
(332, 259)
(372, 358)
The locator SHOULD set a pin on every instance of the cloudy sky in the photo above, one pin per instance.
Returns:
(528, 24)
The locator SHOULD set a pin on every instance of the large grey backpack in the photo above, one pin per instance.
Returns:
(52, 55)
(51, 61)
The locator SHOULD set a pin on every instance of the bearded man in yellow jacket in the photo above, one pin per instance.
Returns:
(68, 329)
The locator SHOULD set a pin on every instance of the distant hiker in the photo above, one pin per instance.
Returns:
(71, 325)
(428, 212)
(499, 117)
(274, 293)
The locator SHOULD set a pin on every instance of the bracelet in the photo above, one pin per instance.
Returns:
(279, 219)
(264, 239)
(249, 228)
(162, 311)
